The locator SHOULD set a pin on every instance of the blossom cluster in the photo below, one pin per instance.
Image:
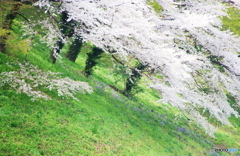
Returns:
(29, 79)
(184, 44)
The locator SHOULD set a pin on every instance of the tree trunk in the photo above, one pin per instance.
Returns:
(133, 79)
(67, 31)
(74, 49)
(91, 60)
(56, 51)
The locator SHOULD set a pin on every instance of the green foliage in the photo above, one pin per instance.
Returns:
(3, 61)
(154, 4)
(17, 47)
(5, 8)
(4, 32)
(232, 22)
(225, 140)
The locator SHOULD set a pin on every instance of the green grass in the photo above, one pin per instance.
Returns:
(97, 124)
(101, 123)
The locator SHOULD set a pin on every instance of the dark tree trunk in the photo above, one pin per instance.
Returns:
(74, 49)
(133, 79)
(56, 51)
(2, 45)
(67, 31)
(93, 56)
(66, 27)
(76, 45)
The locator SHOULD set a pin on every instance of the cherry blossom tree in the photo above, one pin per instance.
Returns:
(184, 44)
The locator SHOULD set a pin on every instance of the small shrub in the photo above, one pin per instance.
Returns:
(29, 79)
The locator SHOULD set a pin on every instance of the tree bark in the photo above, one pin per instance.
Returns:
(53, 54)
(67, 31)
(74, 49)
(133, 79)
(91, 60)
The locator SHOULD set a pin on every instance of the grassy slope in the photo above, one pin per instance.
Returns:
(101, 123)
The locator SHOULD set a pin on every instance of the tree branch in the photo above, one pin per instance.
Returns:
(21, 15)
(226, 67)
